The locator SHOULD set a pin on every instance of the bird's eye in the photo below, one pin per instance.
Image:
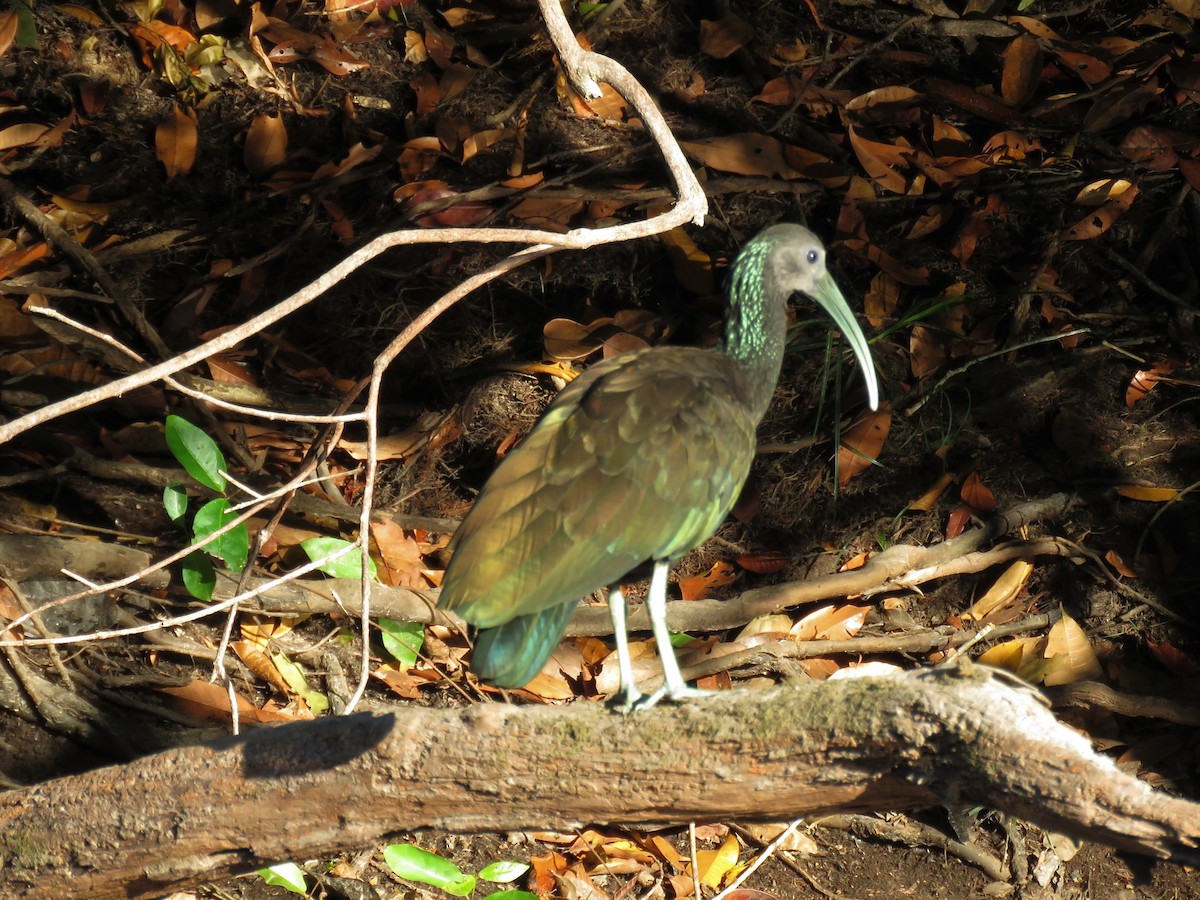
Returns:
(813, 257)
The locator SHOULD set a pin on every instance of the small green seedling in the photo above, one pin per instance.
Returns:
(202, 459)
(414, 864)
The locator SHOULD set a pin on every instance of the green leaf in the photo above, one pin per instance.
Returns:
(233, 547)
(27, 36)
(503, 871)
(298, 682)
(285, 875)
(199, 577)
(420, 865)
(175, 500)
(197, 453)
(403, 640)
(348, 566)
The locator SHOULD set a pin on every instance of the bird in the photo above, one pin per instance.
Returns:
(637, 461)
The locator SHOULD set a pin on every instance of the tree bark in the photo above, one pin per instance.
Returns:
(959, 735)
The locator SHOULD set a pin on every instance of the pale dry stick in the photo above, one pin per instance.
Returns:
(50, 313)
(151, 569)
(583, 68)
(580, 239)
(216, 607)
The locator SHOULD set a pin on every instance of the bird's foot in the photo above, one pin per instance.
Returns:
(626, 700)
(677, 695)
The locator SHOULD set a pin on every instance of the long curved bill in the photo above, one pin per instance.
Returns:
(829, 296)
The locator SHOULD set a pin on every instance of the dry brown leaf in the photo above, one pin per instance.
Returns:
(957, 521)
(976, 494)
(1114, 559)
(1010, 655)
(1091, 69)
(926, 350)
(926, 501)
(175, 142)
(742, 154)
(21, 135)
(1147, 494)
(829, 623)
(1098, 222)
(398, 556)
(696, 587)
(258, 661)
(1008, 588)
(724, 37)
(266, 145)
(878, 161)
(762, 563)
(881, 299)
(693, 267)
(8, 30)
(206, 701)
(1069, 654)
(1114, 107)
(1188, 8)
(1143, 383)
(863, 441)
(554, 215)
(1022, 69)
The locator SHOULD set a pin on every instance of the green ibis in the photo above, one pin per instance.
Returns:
(638, 460)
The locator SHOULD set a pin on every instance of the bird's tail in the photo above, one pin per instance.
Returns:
(510, 655)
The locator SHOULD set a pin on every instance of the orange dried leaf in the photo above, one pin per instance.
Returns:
(1114, 559)
(206, 701)
(927, 352)
(880, 161)
(855, 562)
(881, 299)
(175, 142)
(258, 661)
(926, 501)
(742, 154)
(1089, 68)
(976, 494)
(1022, 69)
(762, 563)
(1172, 658)
(266, 145)
(862, 442)
(1143, 383)
(1147, 494)
(693, 267)
(8, 30)
(696, 587)
(552, 214)
(1008, 655)
(399, 557)
(957, 521)
(725, 36)
(1007, 588)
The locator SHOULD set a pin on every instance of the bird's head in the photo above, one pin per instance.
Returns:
(795, 263)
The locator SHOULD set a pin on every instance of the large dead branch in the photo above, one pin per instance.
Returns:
(955, 736)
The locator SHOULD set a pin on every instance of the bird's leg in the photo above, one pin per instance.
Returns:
(628, 696)
(674, 687)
